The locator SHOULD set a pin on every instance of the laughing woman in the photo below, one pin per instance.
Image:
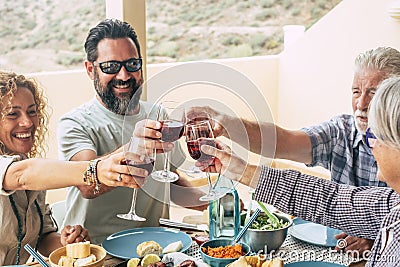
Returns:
(24, 216)
(368, 212)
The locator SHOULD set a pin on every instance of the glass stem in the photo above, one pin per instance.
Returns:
(133, 204)
(210, 187)
(166, 163)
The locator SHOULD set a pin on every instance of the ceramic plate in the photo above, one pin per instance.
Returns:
(123, 244)
(313, 264)
(313, 233)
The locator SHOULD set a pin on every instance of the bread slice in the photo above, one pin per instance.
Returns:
(247, 261)
(66, 261)
(276, 262)
(149, 247)
(241, 262)
(78, 250)
(255, 261)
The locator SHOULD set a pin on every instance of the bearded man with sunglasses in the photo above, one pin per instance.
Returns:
(97, 128)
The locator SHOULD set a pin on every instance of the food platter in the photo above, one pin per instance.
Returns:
(313, 233)
(123, 244)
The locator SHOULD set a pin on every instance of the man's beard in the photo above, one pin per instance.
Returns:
(124, 105)
(361, 126)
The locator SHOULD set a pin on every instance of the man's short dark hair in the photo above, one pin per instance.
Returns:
(112, 29)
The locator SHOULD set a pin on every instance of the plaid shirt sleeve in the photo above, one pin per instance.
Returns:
(358, 211)
(339, 147)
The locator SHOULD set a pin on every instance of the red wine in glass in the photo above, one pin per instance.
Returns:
(147, 164)
(195, 152)
(171, 130)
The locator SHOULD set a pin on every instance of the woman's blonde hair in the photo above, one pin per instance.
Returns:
(9, 83)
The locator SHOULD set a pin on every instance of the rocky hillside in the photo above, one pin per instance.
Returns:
(46, 35)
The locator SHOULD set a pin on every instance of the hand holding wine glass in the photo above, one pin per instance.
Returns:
(194, 116)
(171, 117)
(198, 134)
(146, 162)
(230, 165)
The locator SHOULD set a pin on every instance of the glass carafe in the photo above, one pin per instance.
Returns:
(224, 213)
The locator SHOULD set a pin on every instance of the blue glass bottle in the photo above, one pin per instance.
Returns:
(224, 213)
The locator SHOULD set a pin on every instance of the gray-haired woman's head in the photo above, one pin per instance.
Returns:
(382, 59)
(384, 112)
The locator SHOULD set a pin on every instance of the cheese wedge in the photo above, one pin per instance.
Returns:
(173, 247)
(78, 250)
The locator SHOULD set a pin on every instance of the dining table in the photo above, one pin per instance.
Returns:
(292, 250)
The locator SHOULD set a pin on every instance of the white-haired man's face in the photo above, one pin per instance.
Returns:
(365, 83)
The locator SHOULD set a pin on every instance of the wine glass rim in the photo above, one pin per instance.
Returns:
(197, 123)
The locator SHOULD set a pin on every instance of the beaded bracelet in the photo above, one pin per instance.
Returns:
(90, 175)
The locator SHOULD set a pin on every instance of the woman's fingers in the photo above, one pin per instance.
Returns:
(72, 234)
(115, 171)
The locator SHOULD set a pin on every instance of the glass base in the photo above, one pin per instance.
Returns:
(212, 195)
(195, 172)
(163, 176)
(131, 217)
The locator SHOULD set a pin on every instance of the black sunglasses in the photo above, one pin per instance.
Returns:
(113, 66)
(370, 138)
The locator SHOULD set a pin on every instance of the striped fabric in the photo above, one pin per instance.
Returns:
(358, 211)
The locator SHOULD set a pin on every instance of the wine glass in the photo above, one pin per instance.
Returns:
(171, 116)
(146, 162)
(198, 134)
(193, 118)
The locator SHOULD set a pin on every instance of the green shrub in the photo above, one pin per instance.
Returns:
(315, 12)
(296, 11)
(265, 14)
(243, 50)
(272, 43)
(287, 4)
(232, 40)
(70, 60)
(258, 40)
(243, 5)
(167, 49)
(267, 3)
(173, 21)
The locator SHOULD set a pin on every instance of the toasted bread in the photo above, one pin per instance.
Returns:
(273, 263)
(78, 250)
(66, 261)
(149, 247)
(256, 261)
